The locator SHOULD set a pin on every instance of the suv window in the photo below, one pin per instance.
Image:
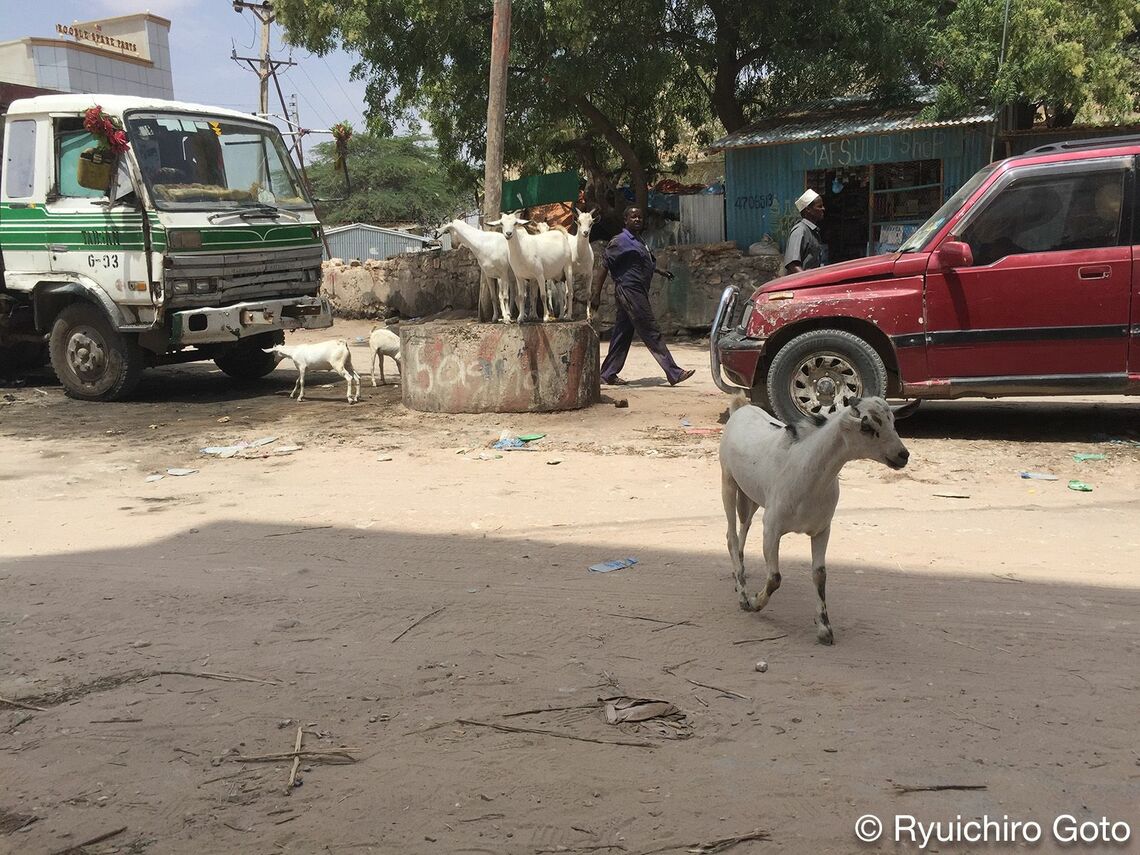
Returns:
(1049, 214)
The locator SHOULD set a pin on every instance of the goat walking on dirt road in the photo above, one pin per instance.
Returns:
(792, 471)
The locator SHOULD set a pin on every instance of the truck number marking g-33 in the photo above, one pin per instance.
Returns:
(107, 262)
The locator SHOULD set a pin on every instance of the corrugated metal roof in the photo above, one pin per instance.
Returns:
(840, 118)
(377, 229)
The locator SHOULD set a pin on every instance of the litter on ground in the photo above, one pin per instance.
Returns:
(616, 564)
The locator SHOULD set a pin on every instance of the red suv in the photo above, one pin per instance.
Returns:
(1026, 282)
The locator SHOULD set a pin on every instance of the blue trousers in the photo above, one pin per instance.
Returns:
(634, 314)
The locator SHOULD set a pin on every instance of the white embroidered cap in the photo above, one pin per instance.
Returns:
(806, 199)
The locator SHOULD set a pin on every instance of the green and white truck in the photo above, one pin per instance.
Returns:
(199, 242)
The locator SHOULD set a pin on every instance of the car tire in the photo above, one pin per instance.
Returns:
(92, 359)
(816, 371)
(247, 360)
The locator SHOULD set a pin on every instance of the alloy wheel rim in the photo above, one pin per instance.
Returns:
(822, 381)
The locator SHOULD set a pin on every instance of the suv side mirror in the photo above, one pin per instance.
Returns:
(955, 253)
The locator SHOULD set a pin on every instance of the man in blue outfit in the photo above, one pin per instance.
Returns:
(632, 266)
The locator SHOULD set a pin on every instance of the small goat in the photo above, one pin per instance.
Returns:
(792, 471)
(332, 355)
(383, 342)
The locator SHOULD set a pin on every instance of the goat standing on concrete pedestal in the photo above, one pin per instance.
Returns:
(582, 256)
(333, 355)
(792, 471)
(537, 258)
(490, 251)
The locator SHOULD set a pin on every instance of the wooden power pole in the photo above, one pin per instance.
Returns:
(265, 66)
(496, 110)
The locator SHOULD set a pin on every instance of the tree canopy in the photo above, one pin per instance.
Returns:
(610, 88)
(393, 180)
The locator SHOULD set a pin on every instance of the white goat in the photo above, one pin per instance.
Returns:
(331, 355)
(536, 258)
(582, 255)
(383, 342)
(792, 471)
(490, 251)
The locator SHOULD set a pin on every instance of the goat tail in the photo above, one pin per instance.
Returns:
(738, 400)
(274, 349)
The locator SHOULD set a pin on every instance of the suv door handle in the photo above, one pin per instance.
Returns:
(1099, 272)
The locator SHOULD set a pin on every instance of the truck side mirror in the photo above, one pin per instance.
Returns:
(955, 253)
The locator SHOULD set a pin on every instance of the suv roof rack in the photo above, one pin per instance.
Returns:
(1076, 145)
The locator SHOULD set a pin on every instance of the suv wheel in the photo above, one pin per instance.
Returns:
(814, 372)
(93, 360)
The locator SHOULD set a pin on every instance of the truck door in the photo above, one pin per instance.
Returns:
(23, 186)
(1048, 293)
(92, 235)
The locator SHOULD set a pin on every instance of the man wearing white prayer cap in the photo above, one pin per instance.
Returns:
(804, 249)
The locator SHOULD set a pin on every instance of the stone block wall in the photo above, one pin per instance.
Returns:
(426, 283)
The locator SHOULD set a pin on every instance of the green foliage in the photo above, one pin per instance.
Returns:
(610, 88)
(1064, 55)
(394, 180)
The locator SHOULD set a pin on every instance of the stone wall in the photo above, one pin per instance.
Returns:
(426, 283)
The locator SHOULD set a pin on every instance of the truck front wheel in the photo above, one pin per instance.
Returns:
(815, 372)
(93, 360)
(247, 359)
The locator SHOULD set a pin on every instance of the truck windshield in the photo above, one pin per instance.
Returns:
(918, 241)
(195, 163)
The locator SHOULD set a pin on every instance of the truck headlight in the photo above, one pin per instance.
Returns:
(203, 286)
(184, 239)
(181, 287)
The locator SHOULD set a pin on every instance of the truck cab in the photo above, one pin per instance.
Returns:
(199, 242)
(1026, 282)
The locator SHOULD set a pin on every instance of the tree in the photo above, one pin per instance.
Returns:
(1061, 55)
(394, 180)
(580, 71)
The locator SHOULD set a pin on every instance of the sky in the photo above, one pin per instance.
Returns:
(202, 35)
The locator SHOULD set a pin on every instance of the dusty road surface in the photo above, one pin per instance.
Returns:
(406, 596)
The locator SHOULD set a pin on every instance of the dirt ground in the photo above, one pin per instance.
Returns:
(398, 590)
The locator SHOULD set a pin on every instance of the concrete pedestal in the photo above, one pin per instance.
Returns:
(461, 367)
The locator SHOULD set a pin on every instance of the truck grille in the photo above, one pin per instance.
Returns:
(238, 276)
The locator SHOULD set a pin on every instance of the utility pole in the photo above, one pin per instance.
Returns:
(265, 67)
(496, 110)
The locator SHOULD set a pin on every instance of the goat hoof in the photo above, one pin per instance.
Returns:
(825, 635)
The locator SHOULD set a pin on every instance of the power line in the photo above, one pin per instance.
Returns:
(336, 80)
(312, 109)
(317, 90)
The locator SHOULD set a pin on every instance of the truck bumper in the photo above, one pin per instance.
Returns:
(230, 323)
(732, 353)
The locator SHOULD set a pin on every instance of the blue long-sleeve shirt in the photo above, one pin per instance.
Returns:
(629, 261)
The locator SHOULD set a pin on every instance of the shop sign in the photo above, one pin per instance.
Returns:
(96, 37)
(853, 151)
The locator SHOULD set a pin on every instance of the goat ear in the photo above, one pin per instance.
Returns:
(594, 211)
(493, 223)
(853, 403)
(906, 409)
(521, 222)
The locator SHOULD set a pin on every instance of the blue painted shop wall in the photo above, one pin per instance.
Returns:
(763, 182)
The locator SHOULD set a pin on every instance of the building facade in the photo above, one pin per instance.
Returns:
(882, 172)
(125, 55)
(361, 242)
